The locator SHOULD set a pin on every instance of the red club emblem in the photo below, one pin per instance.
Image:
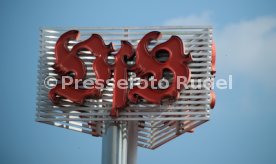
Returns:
(146, 65)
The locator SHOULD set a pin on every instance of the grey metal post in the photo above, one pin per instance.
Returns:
(119, 145)
(132, 142)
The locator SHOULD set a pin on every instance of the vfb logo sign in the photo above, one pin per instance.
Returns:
(146, 65)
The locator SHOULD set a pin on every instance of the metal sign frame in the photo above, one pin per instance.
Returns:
(154, 125)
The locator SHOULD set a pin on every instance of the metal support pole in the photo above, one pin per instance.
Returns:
(132, 142)
(119, 145)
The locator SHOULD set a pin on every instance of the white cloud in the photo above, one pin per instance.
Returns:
(203, 19)
(245, 48)
(250, 45)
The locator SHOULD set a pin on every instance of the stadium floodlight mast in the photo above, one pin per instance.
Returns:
(137, 114)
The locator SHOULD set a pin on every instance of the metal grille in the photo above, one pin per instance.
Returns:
(157, 124)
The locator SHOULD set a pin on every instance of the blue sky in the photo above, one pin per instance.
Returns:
(241, 129)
